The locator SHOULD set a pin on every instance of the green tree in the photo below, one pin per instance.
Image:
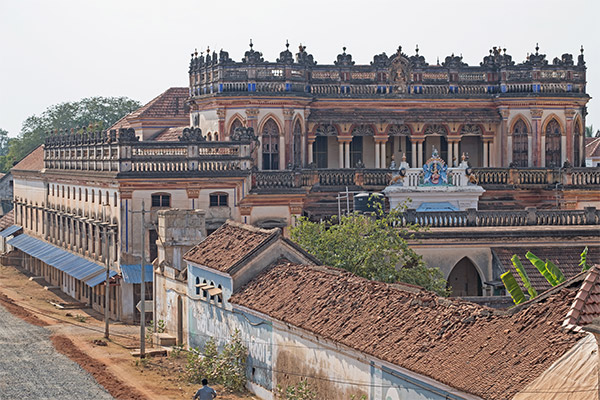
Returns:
(4, 140)
(589, 131)
(99, 111)
(371, 246)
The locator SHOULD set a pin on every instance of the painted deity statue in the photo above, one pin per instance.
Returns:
(435, 170)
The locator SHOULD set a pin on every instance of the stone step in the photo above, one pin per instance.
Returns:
(164, 339)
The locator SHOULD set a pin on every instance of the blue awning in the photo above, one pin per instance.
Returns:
(10, 230)
(438, 206)
(133, 273)
(100, 278)
(72, 264)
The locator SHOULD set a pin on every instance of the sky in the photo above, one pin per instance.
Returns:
(62, 50)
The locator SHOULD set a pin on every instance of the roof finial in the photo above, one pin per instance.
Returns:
(344, 49)
(537, 47)
(438, 60)
(504, 50)
(581, 49)
(196, 52)
(417, 49)
(287, 44)
(399, 49)
(251, 44)
(208, 50)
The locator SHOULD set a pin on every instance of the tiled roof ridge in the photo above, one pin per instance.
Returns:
(251, 228)
(573, 317)
(33, 157)
(142, 110)
(593, 145)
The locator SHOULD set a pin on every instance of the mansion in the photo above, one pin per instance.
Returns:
(262, 143)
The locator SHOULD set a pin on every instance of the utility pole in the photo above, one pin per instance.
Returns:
(143, 287)
(107, 290)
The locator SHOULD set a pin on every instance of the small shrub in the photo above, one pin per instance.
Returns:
(80, 318)
(299, 391)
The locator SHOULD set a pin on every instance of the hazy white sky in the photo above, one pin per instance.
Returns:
(61, 50)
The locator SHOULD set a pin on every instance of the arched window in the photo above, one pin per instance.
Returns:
(86, 195)
(79, 194)
(519, 144)
(270, 145)
(577, 145)
(209, 137)
(115, 199)
(220, 295)
(216, 136)
(236, 124)
(297, 150)
(553, 136)
(93, 195)
(197, 287)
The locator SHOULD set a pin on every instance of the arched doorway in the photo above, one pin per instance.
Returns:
(577, 145)
(270, 145)
(520, 145)
(553, 145)
(464, 279)
(297, 142)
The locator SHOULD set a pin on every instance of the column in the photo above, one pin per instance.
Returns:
(456, 152)
(383, 154)
(311, 144)
(420, 154)
(509, 150)
(341, 153)
(538, 141)
(505, 140)
(303, 150)
(567, 146)
(413, 147)
(450, 153)
(347, 154)
(223, 135)
(377, 159)
(288, 150)
(530, 149)
(282, 151)
(486, 150)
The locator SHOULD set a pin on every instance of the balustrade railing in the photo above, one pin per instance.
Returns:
(528, 217)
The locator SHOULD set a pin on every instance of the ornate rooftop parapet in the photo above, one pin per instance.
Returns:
(386, 76)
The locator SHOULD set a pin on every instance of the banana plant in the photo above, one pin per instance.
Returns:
(555, 271)
(510, 283)
(542, 267)
(524, 277)
(583, 260)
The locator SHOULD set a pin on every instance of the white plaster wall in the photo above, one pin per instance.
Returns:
(167, 291)
(446, 257)
(268, 212)
(209, 121)
(295, 354)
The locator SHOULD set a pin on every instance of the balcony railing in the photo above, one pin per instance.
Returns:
(379, 178)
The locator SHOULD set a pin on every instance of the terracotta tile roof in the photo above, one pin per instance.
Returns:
(7, 220)
(33, 161)
(586, 306)
(472, 348)
(228, 245)
(168, 105)
(592, 148)
(566, 258)
(169, 134)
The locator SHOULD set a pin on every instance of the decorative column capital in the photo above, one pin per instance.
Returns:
(536, 113)
(569, 113)
(505, 113)
(221, 113)
(288, 114)
(252, 113)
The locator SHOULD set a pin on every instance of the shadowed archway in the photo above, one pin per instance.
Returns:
(464, 279)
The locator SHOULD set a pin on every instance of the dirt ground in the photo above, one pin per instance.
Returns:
(79, 334)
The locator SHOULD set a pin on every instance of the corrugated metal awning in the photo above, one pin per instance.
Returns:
(100, 278)
(133, 273)
(72, 264)
(10, 230)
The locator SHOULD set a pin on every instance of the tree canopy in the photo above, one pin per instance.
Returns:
(371, 246)
(100, 111)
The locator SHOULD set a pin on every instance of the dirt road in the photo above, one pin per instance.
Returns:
(73, 333)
